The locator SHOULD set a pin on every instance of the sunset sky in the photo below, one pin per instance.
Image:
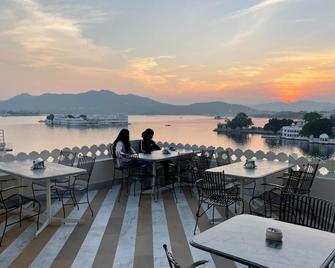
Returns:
(177, 51)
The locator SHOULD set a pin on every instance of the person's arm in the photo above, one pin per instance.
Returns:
(145, 146)
(119, 149)
(155, 146)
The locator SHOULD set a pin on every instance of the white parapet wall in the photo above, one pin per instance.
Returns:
(324, 185)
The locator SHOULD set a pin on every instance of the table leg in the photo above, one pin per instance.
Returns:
(178, 171)
(154, 181)
(48, 214)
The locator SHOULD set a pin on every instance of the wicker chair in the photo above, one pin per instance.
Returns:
(174, 264)
(80, 183)
(216, 190)
(9, 203)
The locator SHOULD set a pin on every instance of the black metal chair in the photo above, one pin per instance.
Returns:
(309, 174)
(80, 183)
(204, 160)
(65, 158)
(223, 158)
(117, 168)
(187, 166)
(271, 199)
(174, 264)
(9, 203)
(307, 211)
(216, 190)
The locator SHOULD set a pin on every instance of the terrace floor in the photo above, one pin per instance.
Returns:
(118, 235)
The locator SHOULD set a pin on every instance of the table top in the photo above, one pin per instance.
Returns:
(159, 156)
(263, 169)
(23, 169)
(242, 238)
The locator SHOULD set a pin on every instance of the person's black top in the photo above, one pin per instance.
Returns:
(147, 146)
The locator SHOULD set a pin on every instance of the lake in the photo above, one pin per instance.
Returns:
(26, 135)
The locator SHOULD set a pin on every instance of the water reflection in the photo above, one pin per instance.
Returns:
(323, 151)
(238, 138)
(26, 135)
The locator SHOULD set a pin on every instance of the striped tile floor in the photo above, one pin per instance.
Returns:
(118, 235)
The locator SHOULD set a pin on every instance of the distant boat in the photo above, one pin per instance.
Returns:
(4, 147)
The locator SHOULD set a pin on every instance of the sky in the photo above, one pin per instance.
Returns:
(240, 51)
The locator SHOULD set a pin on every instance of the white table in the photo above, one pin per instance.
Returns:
(22, 170)
(242, 239)
(158, 156)
(264, 168)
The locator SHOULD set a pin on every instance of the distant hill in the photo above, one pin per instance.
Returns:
(108, 102)
(296, 106)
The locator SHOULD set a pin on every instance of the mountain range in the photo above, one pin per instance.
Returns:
(108, 102)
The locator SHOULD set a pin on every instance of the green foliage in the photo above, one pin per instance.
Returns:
(241, 120)
(276, 124)
(312, 116)
(318, 127)
(83, 116)
(50, 117)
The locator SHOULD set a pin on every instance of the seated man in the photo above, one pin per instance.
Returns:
(147, 144)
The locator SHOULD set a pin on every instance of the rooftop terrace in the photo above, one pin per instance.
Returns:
(124, 234)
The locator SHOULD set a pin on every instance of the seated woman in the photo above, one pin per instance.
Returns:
(121, 150)
(147, 144)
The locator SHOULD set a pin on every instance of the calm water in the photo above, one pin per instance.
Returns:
(26, 135)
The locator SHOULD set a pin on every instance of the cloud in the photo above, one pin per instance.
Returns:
(47, 39)
(256, 8)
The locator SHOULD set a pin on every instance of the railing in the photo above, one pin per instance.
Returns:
(326, 170)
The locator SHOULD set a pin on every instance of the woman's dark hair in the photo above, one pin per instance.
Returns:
(124, 137)
(147, 133)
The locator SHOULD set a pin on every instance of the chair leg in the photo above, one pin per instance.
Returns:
(74, 199)
(88, 201)
(63, 206)
(4, 229)
(20, 216)
(174, 192)
(197, 220)
(38, 216)
(140, 199)
(57, 193)
(121, 188)
(33, 190)
(191, 190)
(227, 212)
(213, 214)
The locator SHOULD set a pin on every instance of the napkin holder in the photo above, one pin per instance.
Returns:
(166, 151)
(250, 164)
(274, 234)
(38, 164)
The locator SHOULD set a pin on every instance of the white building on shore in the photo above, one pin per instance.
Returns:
(87, 120)
(292, 131)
